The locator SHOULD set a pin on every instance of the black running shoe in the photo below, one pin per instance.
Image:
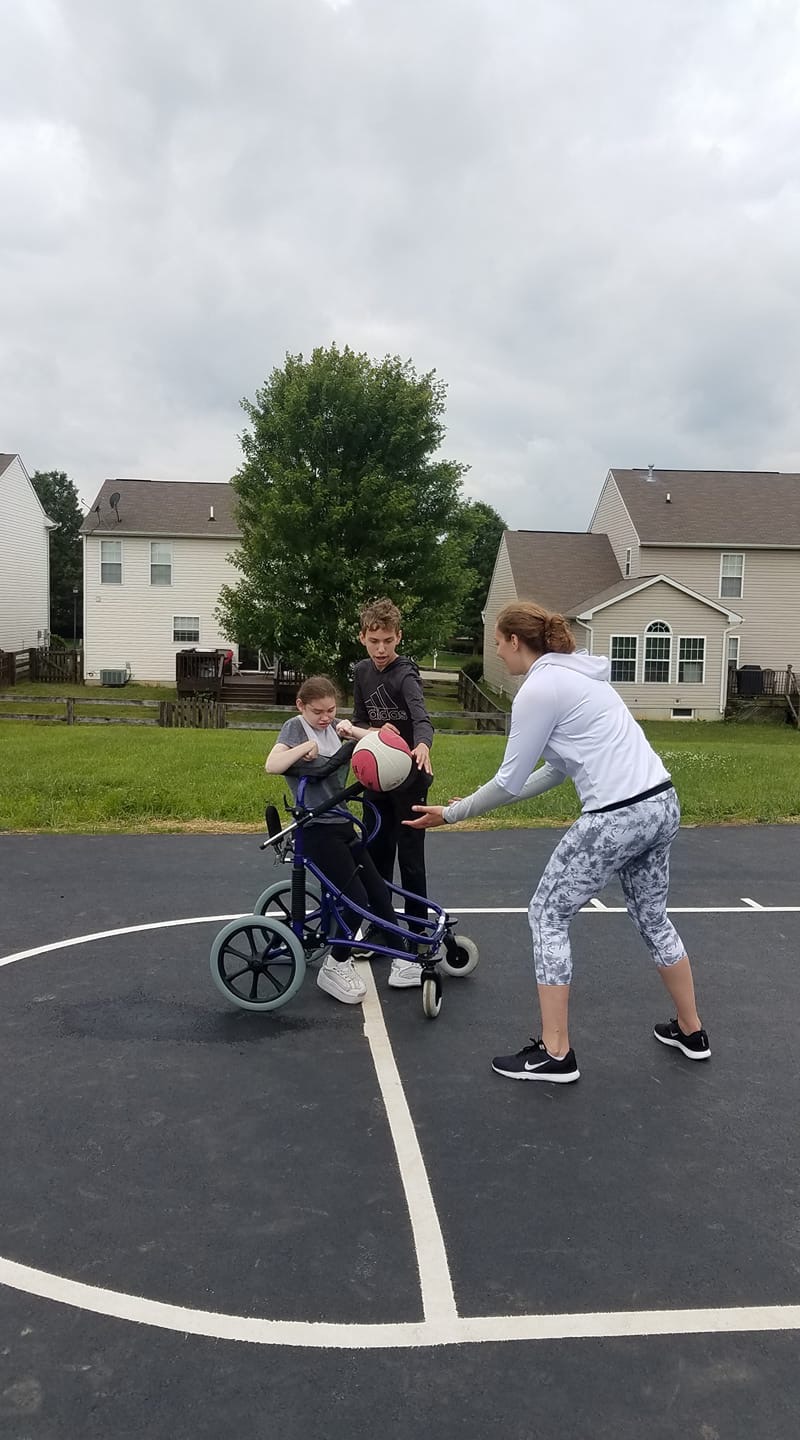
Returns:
(695, 1046)
(533, 1062)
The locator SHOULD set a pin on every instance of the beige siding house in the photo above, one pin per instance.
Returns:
(706, 575)
(733, 536)
(154, 563)
(555, 567)
(24, 560)
(668, 647)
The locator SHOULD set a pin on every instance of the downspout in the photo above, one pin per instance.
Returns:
(723, 682)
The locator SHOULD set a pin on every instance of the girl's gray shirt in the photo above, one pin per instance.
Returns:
(316, 791)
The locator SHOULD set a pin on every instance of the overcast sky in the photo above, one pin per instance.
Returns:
(583, 214)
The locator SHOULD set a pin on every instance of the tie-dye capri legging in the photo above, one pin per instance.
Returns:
(634, 843)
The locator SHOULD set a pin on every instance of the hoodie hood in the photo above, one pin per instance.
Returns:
(594, 667)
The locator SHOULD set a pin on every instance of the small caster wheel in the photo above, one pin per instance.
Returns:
(460, 955)
(431, 995)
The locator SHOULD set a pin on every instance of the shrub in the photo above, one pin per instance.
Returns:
(473, 668)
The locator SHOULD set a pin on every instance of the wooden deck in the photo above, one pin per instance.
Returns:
(252, 688)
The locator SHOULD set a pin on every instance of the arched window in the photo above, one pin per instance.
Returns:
(657, 653)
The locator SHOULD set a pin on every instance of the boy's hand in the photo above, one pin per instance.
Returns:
(428, 817)
(422, 758)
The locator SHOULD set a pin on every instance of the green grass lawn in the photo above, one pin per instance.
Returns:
(90, 779)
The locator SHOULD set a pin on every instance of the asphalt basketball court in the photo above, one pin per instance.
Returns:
(332, 1223)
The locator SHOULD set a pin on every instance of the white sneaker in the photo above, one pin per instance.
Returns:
(340, 980)
(405, 973)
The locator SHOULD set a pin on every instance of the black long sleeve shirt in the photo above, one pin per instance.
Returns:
(392, 696)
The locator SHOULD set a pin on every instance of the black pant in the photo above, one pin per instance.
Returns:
(395, 841)
(340, 853)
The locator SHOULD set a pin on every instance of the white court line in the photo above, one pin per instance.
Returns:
(594, 908)
(109, 934)
(454, 1330)
(442, 1324)
(751, 904)
(438, 1300)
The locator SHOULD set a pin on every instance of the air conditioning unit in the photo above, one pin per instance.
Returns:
(114, 677)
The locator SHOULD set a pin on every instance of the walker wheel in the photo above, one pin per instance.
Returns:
(276, 901)
(257, 962)
(460, 955)
(431, 995)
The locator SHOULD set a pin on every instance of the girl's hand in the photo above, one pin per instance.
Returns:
(345, 729)
(312, 750)
(428, 817)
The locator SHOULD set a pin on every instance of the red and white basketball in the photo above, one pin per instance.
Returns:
(382, 760)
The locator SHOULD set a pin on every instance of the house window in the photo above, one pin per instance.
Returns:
(110, 562)
(186, 629)
(733, 650)
(160, 562)
(623, 659)
(691, 660)
(628, 561)
(657, 653)
(731, 576)
(681, 713)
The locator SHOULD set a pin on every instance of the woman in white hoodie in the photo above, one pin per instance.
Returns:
(567, 714)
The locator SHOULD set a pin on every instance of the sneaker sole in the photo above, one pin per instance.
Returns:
(337, 994)
(536, 1075)
(676, 1045)
(395, 984)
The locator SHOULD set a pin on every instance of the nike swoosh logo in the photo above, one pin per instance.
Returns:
(537, 1066)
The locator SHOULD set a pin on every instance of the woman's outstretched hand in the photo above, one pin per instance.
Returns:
(428, 816)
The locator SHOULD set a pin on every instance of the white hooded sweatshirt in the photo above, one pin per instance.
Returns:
(567, 714)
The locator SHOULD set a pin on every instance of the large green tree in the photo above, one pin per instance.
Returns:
(60, 501)
(479, 530)
(342, 497)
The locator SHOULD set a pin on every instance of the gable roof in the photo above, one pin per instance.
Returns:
(559, 568)
(5, 461)
(643, 582)
(164, 507)
(730, 508)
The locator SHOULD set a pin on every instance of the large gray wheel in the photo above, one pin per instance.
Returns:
(257, 962)
(276, 900)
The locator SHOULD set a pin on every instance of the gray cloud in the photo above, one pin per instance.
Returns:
(585, 217)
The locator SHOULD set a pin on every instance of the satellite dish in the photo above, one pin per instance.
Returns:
(114, 500)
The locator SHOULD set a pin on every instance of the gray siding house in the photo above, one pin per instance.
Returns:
(697, 571)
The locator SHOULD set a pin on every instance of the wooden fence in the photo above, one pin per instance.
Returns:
(42, 663)
(14, 666)
(189, 712)
(478, 707)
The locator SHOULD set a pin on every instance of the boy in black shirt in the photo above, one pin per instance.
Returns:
(387, 690)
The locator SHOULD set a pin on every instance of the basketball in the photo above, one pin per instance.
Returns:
(382, 760)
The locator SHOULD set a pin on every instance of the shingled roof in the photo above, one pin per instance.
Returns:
(560, 568)
(164, 507)
(729, 508)
(5, 461)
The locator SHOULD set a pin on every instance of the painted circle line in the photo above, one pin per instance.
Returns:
(446, 1328)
